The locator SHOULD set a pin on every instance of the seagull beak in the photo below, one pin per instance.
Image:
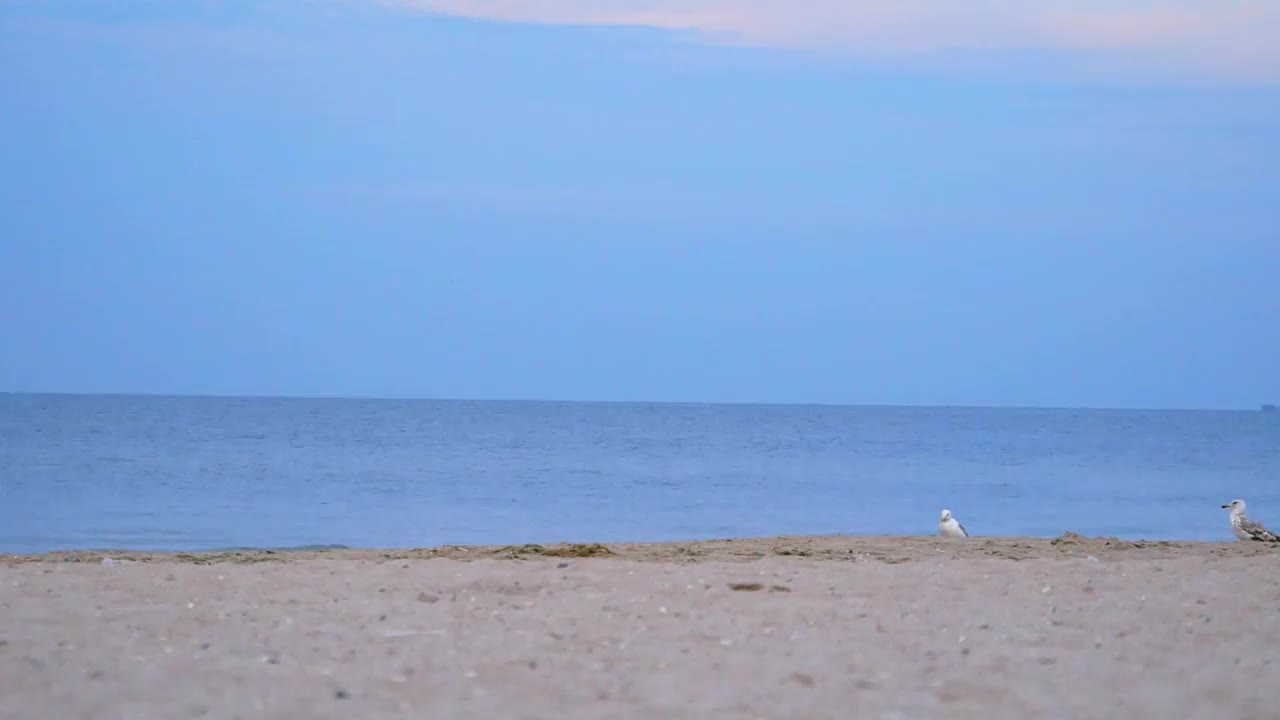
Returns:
(1224, 507)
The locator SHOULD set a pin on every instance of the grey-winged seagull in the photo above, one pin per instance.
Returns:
(948, 526)
(1247, 529)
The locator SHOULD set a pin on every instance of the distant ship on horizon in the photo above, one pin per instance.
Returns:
(1266, 407)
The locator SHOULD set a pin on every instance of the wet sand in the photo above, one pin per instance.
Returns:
(831, 627)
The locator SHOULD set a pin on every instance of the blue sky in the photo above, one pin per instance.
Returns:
(423, 199)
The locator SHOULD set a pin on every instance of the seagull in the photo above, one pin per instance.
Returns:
(950, 527)
(1246, 529)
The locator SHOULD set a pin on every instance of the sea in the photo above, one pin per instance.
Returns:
(210, 473)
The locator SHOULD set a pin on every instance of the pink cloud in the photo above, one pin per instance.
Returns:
(1231, 39)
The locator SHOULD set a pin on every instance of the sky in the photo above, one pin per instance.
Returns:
(1032, 204)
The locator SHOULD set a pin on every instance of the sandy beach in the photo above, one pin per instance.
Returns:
(830, 627)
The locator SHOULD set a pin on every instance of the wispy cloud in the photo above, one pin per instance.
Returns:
(1228, 39)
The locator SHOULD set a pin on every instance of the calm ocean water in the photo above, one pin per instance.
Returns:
(172, 473)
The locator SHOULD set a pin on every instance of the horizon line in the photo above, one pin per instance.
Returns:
(554, 401)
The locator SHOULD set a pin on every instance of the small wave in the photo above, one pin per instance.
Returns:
(280, 548)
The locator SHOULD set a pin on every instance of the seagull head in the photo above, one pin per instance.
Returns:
(1235, 506)
(946, 515)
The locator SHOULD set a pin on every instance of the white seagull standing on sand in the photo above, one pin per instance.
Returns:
(950, 527)
(1247, 529)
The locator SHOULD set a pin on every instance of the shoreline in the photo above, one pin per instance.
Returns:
(836, 548)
